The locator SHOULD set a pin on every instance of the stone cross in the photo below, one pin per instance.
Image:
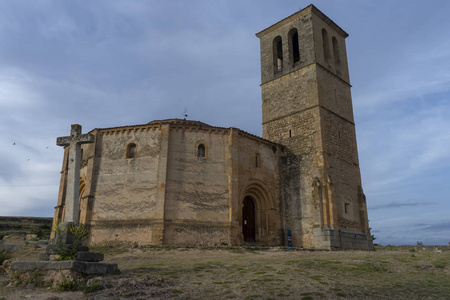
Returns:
(74, 142)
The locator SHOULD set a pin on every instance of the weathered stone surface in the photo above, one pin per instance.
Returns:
(74, 142)
(80, 267)
(31, 237)
(51, 248)
(6, 263)
(44, 256)
(100, 268)
(10, 247)
(307, 107)
(24, 266)
(89, 256)
(303, 176)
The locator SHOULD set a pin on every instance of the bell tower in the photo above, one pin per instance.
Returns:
(307, 108)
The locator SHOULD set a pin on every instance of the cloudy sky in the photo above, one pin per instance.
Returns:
(124, 62)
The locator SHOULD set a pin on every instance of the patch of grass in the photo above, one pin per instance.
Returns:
(365, 268)
(402, 259)
(291, 262)
(303, 272)
(238, 251)
(176, 292)
(266, 279)
(440, 264)
(259, 273)
(89, 288)
(222, 282)
(370, 268)
(4, 256)
(316, 277)
(66, 284)
(307, 296)
(252, 296)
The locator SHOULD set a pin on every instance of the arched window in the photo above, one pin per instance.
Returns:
(337, 58)
(131, 150)
(277, 54)
(326, 46)
(201, 151)
(294, 50)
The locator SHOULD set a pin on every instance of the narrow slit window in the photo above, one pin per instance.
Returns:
(257, 162)
(347, 208)
(131, 150)
(201, 151)
(290, 133)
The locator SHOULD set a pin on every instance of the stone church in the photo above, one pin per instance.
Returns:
(183, 182)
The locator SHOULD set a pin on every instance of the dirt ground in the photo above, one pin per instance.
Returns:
(255, 273)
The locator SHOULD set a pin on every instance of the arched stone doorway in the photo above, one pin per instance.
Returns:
(249, 220)
(259, 217)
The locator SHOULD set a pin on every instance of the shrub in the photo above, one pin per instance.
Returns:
(79, 232)
(4, 256)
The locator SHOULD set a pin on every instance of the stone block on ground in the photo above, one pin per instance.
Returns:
(80, 267)
(25, 266)
(31, 237)
(89, 256)
(100, 268)
(51, 248)
(44, 256)
(11, 247)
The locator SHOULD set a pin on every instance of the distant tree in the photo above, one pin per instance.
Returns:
(373, 236)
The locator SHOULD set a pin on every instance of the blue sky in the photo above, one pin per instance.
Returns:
(124, 62)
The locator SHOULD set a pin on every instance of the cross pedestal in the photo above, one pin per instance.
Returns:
(74, 142)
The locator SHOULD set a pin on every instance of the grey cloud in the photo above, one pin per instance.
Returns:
(399, 205)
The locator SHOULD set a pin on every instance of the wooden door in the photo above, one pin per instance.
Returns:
(248, 220)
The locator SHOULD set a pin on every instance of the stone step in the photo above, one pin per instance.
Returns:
(80, 267)
(51, 248)
(89, 256)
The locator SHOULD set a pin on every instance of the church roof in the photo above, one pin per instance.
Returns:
(181, 123)
(176, 122)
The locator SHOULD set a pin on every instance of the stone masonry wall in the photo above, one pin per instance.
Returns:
(261, 183)
(302, 22)
(196, 206)
(126, 205)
